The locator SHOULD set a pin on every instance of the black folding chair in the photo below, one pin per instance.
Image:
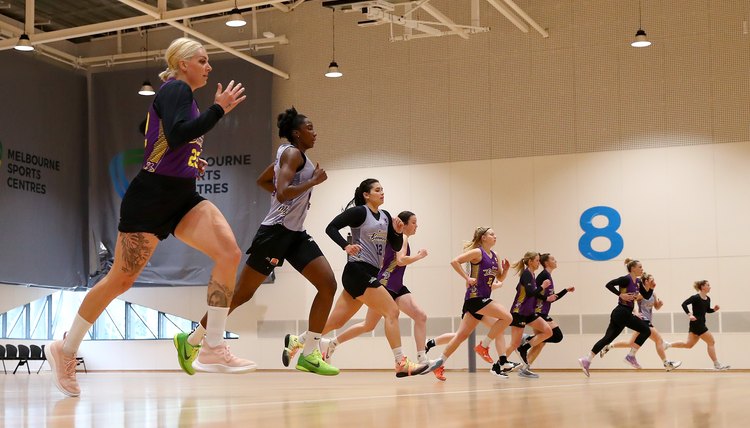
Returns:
(37, 355)
(23, 358)
(11, 353)
(2, 357)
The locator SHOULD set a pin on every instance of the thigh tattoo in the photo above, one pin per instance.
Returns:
(136, 252)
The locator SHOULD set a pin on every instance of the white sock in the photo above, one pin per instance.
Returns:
(444, 358)
(632, 352)
(216, 324)
(421, 356)
(591, 356)
(486, 341)
(75, 335)
(196, 336)
(398, 354)
(301, 338)
(312, 344)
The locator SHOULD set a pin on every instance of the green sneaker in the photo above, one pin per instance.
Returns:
(186, 353)
(291, 346)
(314, 363)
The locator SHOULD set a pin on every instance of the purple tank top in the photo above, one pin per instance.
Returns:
(525, 301)
(633, 287)
(159, 158)
(543, 306)
(391, 275)
(485, 272)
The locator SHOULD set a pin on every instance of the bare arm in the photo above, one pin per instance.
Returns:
(291, 161)
(472, 256)
(402, 259)
(265, 179)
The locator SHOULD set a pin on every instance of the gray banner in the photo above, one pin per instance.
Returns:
(43, 125)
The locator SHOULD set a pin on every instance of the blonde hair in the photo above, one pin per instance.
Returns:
(630, 264)
(645, 277)
(180, 49)
(520, 265)
(476, 241)
(698, 284)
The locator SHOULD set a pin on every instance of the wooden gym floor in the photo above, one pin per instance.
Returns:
(360, 399)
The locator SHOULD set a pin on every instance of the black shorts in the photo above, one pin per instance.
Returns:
(157, 203)
(274, 244)
(697, 327)
(358, 277)
(545, 317)
(474, 305)
(398, 294)
(520, 321)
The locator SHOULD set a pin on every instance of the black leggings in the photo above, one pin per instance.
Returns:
(622, 316)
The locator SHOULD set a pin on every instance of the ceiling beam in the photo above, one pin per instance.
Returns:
(510, 15)
(444, 19)
(154, 13)
(528, 19)
(137, 21)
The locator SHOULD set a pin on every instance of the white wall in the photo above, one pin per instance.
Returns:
(682, 215)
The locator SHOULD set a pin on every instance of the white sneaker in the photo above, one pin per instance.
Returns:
(220, 360)
(667, 345)
(671, 365)
(720, 367)
(328, 349)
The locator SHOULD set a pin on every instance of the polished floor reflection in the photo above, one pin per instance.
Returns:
(377, 399)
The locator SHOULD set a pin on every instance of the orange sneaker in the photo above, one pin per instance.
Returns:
(407, 368)
(63, 369)
(484, 353)
(220, 360)
(440, 373)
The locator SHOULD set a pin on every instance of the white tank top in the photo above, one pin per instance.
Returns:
(291, 214)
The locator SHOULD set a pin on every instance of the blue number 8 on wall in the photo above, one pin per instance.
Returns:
(609, 232)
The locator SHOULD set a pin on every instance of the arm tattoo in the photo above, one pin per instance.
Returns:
(219, 295)
(136, 252)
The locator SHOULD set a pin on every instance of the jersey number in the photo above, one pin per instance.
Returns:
(193, 160)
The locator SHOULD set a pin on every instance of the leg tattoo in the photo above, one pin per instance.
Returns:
(135, 252)
(218, 294)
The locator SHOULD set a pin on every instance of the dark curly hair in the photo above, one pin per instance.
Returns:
(289, 121)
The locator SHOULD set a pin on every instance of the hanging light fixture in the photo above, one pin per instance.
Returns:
(333, 67)
(235, 18)
(24, 43)
(146, 89)
(640, 36)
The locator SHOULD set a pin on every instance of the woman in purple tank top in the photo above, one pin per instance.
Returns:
(163, 200)
(524, 311)
(486, 274)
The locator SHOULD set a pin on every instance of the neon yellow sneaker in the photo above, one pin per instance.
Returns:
(186, 353)
(291, 346)
(314, 363)
(407, 368)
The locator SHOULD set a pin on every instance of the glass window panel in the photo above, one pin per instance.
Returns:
(39, 318)
(111, 323)
(174, 324)
(17, 323)
(144, 322)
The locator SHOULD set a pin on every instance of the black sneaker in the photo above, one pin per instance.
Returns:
(429, 345)
(522, 351)
(498, 371)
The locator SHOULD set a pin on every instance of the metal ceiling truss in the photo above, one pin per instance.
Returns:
(177, 18)
(401, 13)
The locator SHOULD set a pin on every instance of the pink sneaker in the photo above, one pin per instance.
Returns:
(63, 369)
(220, 360)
